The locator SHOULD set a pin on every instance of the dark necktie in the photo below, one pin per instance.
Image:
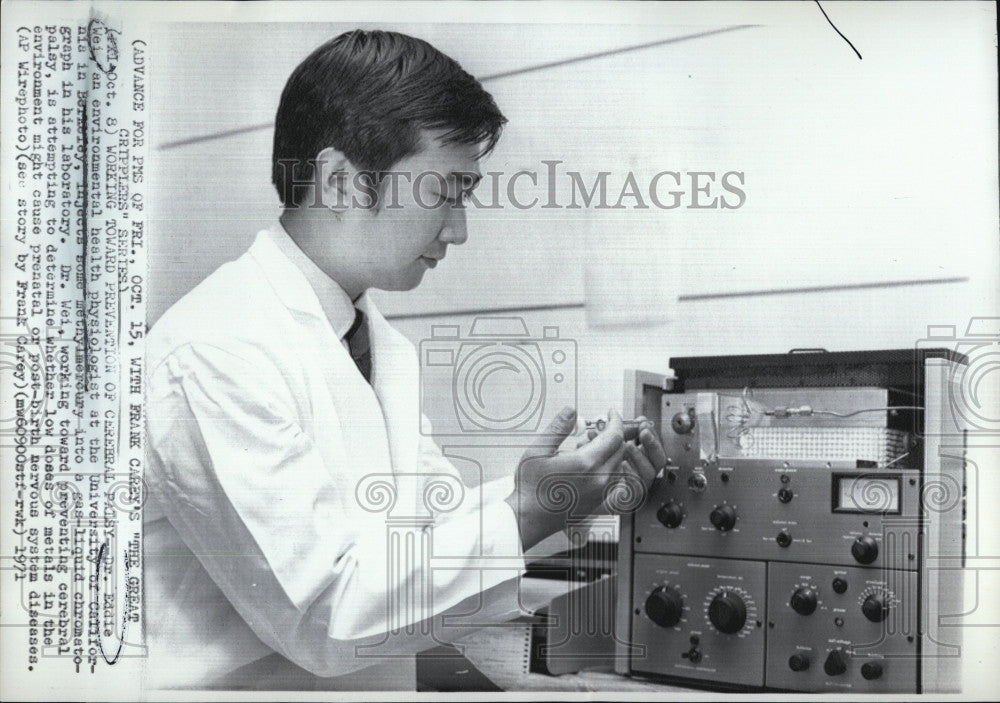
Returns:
(360, 345)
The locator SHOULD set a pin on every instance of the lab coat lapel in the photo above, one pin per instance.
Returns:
(395, 380)
(349, 404)
(362, 426)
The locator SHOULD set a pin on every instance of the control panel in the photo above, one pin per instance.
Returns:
(765, 509)
(700, 617)
(841, 629)
(792, 539)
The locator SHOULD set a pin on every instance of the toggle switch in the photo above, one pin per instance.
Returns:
(697, 482)
(693, 654)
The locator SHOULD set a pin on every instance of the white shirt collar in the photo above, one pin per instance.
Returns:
(336, 304)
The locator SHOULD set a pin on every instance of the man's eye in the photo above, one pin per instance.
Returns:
(455, 202)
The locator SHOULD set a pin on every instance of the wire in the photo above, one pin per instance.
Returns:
(898, 458)
(740, 416)
(806, 411)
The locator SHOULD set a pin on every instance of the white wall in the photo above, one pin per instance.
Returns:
(856, 172)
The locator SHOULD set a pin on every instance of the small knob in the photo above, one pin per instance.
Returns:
(697, 482)
(723, 518)
(728, 613)
(798, 662)
(875, 608)
(865, 550)
(839, 585)
(871, 671)
(783, 539)
(803, 601)
(835, 664)
(785, 495)
(664, 606)
(671, 515)
(682, 422)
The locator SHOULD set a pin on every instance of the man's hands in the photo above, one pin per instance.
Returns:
(551, 487)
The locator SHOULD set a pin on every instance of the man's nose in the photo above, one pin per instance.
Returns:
(454, 231)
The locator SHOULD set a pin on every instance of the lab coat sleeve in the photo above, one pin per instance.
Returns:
(247, 490)
(484, 510)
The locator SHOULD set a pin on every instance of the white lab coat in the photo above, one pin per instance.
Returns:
(271, 465)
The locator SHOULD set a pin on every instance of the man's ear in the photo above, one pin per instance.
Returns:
(333, 179)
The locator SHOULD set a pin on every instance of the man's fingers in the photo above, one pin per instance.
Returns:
(626, 490)
(606, 444)
(561, 426)
(586, 438)
(652, 448)
(614, 422)
(641, 464)
(607, 468)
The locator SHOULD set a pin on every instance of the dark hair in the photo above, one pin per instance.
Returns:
(369, 94)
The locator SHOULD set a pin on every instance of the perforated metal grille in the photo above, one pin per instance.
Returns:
(840, 443)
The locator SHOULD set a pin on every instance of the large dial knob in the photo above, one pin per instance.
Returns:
(670, 514)
(803, 601)
(835, 664)
(664, 606)
(727, 612)
(723, 518)
(865, 550)
(875, 608)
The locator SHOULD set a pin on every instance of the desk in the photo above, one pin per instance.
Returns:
(501, 653)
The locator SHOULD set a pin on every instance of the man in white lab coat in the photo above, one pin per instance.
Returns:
(277, 392)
